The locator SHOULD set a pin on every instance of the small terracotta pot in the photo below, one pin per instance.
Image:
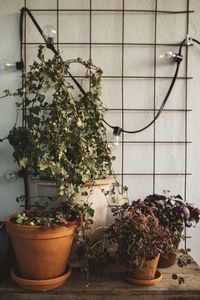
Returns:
(41, 254)
(147, 271)
(168, 260)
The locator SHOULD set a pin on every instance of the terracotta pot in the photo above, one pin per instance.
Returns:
(41, 254)
(147, 271)
(97, 199)
(168, 260)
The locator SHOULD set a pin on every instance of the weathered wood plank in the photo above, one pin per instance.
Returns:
(112, 286)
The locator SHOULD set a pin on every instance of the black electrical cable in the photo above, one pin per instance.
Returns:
(117, 130)
(178, 58)
(163, 103)
(48, 44)
(196, 41)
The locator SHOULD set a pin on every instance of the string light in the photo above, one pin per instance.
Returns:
(10, 176)
(171, 55)
(49, 33)
(6, 65)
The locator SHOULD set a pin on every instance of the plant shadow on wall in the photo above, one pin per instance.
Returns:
(63, 139)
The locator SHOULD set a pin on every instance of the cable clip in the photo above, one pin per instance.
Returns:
(188, 40)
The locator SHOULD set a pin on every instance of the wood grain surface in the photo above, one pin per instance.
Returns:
(112, 286)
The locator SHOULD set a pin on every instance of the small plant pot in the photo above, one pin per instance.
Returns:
(41, 254)
(167, 261)
(39, 285)
(146, 272)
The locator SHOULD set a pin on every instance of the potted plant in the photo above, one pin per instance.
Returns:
(42, 243)
(62, 140)
(140, 239)
(174, 213)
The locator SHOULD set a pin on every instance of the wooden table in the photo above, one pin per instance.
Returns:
(112, 286)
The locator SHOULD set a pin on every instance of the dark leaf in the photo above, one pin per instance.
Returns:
(174, 276)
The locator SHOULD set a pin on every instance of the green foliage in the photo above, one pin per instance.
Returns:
(64, 215)
(138, 235)
(173, 212)
(64, 138)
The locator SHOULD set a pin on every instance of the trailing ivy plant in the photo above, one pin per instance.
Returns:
(64, 138)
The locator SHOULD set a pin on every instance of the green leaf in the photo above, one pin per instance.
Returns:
(7, 92)
(43, 166)
(85, 193)
(23, 162)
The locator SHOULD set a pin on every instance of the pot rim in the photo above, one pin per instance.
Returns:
(37, 232)
(106, 181)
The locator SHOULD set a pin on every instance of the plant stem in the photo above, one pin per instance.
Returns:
(27, 195)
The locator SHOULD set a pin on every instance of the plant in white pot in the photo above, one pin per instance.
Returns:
(63, 140)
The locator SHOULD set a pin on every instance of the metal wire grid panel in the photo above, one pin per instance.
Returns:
(122, 78)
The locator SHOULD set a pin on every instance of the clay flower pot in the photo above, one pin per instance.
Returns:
(166, 261)
(147, 271)
(41, 254)
(146, 275)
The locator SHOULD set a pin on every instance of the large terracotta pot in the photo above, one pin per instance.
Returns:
(147, 271)
(41, 254)
(97, 199)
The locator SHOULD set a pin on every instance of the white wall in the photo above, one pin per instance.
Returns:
(9, 32)
(138, 93)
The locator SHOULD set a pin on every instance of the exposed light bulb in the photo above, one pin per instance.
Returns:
(10, 176)
(171, 55)
(167, 55)
(49, 33)
(6, 65)
(115, 140)
(116, 135)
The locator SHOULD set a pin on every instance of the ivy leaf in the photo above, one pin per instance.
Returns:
(43, 166)
(41, 98)
(85, 193)
(7, 92)
(23, 162)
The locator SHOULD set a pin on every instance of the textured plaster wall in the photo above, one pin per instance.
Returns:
(138, 93)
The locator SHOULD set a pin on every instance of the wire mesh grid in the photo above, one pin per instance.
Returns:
(122, 44)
